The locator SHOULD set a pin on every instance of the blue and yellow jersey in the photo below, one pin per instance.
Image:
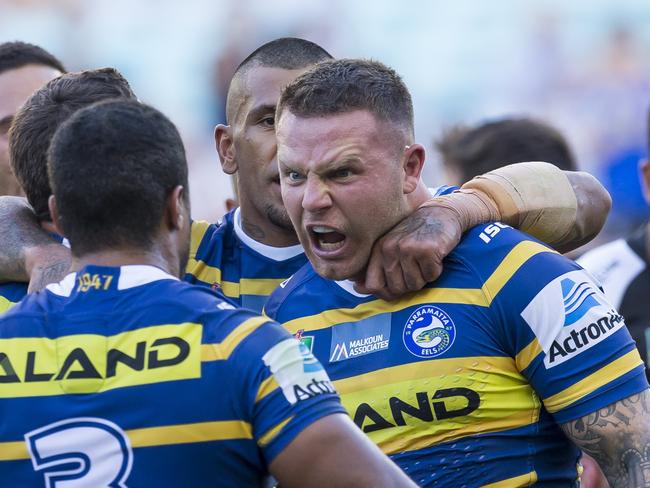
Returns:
(130, 377)
(465, 382)
(246, 271)
(10, 294)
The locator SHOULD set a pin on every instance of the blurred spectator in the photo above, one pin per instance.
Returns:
(467, 152)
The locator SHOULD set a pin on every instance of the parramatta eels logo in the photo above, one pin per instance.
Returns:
(429, 332)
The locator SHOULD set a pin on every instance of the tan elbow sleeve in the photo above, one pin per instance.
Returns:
(535, 197)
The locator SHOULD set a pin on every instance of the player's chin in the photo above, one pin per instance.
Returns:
(336, 269)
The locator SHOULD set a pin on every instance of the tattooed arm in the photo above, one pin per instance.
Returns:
(568, 210)
(618, 437)
(27, 253)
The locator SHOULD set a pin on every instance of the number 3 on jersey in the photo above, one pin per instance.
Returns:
(81, 452)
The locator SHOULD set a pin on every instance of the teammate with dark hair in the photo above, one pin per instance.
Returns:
(492, 375)
(23, 69)
(470, 151)
(121, 374)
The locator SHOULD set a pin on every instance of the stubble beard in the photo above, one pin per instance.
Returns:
(280, 218)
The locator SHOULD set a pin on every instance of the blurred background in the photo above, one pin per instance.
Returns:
(580, 65)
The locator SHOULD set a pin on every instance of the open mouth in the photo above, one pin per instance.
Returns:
(326, 238)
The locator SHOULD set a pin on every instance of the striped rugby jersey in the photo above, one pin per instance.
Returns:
(465, 382)
(130, 377)
(246, 271)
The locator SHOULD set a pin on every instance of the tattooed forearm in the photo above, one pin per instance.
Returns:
(20, 236)
(618, 437)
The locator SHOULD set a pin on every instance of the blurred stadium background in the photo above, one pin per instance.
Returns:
(583, 66)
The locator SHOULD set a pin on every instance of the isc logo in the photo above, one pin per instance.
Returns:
(491, 231)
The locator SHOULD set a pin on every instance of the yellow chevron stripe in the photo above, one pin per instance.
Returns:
(199, 228)
(527, 479)
(328, 318)
(424, 438)
(514, 260)
(585, 386)
(13, 451)
(190, 433)
(158, 436)
(272, 433)
(481, 297)
(223, 349)
(5, 304)
(269, 385)
(527, 354)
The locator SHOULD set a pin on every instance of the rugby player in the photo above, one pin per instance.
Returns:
(32, 129)
(255, 248)
(495, 375)
(123, 375)
(23, 68)
(467, 151)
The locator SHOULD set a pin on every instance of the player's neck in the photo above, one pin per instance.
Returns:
(416, 198)
(117, 258)
(259, 228)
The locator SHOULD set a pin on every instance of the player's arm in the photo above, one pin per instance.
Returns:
(618, 437)
(297, 419)
(334, 452)
(27, 252)
(563, 209)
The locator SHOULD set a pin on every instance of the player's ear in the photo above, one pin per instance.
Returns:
(176, 211)
(644, 170)
(54, 213)
(225, 148)
(412, 164)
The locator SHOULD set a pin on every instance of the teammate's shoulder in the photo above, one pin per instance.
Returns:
(290, 288)
(486, 246)
(204, 234)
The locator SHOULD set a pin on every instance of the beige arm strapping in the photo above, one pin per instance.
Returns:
(534, 197)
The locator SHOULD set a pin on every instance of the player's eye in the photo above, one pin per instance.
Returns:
(293, 176)
(342, 173)
(268, 121)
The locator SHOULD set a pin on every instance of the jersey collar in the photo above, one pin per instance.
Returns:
(348, 286)
(274, 253)
(130, 276)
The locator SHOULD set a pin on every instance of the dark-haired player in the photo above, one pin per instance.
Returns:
(32, 129)
(491, 375)
(123, 375)
(23, 69)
